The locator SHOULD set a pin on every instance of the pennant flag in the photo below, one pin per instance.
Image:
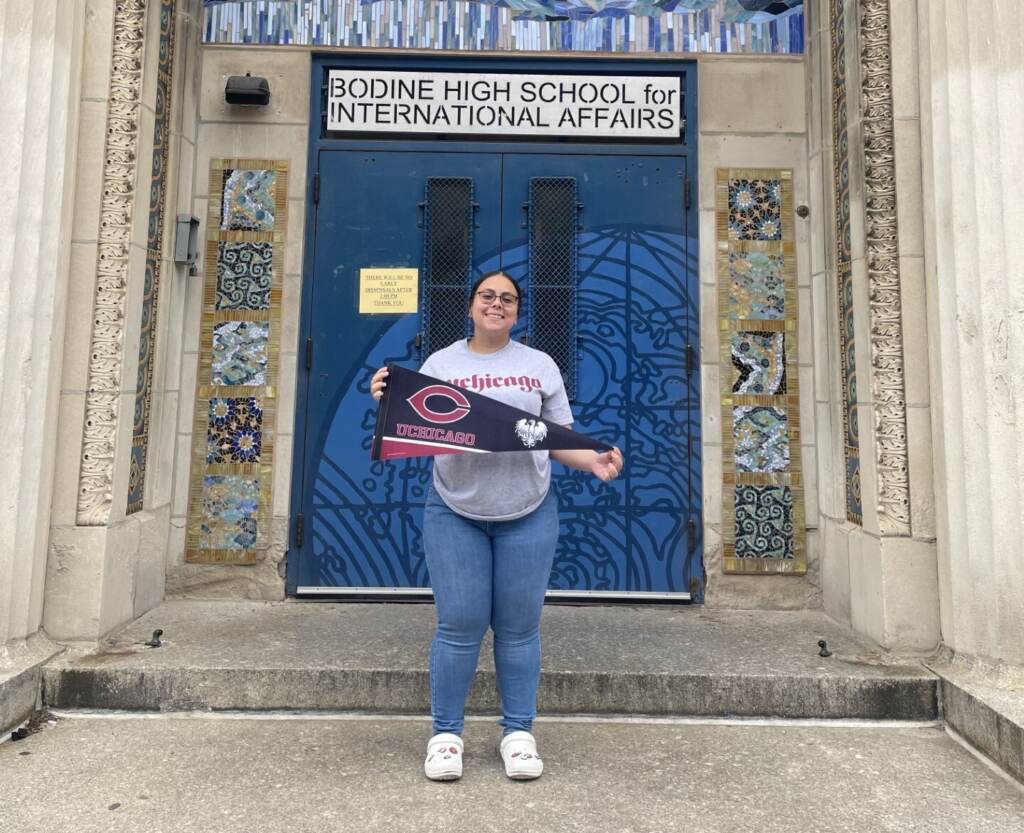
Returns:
(420, 416)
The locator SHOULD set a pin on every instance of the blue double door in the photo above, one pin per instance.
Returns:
(605, 249)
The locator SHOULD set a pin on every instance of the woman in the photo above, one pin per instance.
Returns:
(490, 527)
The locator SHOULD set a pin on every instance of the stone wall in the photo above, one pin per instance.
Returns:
(277, 132)
(753, 114)
(736, 129)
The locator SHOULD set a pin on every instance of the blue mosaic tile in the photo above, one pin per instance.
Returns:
(249, 200)
(666, 26)
(136, 478)
(234, 432)
(759, 363)
(755, 209)
(229, 512)
(854, 503)
(764, 521)
(245, 273)
(761, 438)
(757, 287)
(239, 354)
(154, 243)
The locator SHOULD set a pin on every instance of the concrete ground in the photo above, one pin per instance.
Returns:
(220, 773)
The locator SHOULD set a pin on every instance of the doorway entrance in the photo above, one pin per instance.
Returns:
(603, 242)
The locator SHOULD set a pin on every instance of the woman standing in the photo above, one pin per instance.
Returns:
(490, 528)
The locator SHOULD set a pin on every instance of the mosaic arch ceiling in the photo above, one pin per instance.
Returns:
(734, 11)
(658, 26)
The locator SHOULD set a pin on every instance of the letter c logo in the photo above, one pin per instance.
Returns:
(460, 405)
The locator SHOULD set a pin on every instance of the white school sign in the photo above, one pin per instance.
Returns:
(611, 106)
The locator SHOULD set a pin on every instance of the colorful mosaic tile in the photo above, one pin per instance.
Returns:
(755, 209)
(844, 269)
(764, 521)
(757, 287)
(154, 245)
(244, 275)
(667, 26)
(249, 200)
(854, 504)
(235, 430)
(136, 472)
(229, 511)
(759, 363)
(232, 469)
(761, 438)
(240, 353)
(762, 497)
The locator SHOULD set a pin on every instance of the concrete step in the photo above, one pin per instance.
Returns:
(21, 671)
(261, 774)
(985, 705)
(597, 660)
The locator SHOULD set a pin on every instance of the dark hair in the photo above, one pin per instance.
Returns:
(496, 272)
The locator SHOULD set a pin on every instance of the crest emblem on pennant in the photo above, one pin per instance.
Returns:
(531, 431)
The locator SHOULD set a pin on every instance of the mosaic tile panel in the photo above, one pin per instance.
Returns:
(764, 522)
(230, 509)
(760, 438)
(755, 209)
(234, 433)
(245, 274)
(758, 363)
(230, 486)
(154, 244)
(844, 269)
(239, 353)
(658, 26)
(248, 201)
(757, 287)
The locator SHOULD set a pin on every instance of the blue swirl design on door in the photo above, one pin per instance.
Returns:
(635, 321)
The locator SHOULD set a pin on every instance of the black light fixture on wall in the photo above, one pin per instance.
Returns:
(248, 89)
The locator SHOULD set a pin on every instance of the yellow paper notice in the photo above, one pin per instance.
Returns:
(388, 290)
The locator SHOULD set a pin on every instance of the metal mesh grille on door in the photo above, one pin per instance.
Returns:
(553, 224)
(447, 260)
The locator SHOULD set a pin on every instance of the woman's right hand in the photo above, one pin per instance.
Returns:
(377, 383)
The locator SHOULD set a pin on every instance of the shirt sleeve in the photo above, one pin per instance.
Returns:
(427, 368)
(555, 407)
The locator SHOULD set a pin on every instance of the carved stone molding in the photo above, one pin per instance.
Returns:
(882, 252)
(120, 163)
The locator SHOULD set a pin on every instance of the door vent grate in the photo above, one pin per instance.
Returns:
(447, 260)
(553, 229)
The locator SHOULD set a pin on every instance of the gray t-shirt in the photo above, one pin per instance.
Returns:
(505, 485)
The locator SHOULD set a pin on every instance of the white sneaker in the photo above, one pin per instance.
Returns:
(444, 757)
(519, 752)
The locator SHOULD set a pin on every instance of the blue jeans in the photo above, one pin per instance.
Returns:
(487, 573)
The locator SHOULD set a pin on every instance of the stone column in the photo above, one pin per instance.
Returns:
(972, 86)
(106, 565)
(40, 58)
(879, 564)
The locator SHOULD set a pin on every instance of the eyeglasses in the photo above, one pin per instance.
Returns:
(488, 296)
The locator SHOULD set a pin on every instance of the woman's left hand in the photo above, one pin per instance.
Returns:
(608, 465)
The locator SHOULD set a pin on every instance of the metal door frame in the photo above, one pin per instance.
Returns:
(575, 64)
